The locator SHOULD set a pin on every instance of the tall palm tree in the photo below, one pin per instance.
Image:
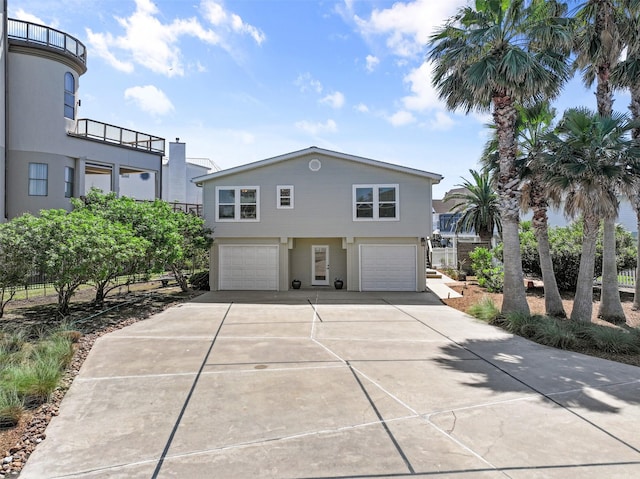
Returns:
(589, 163)
(478, 205)
(627, 74)
(492, 58)
(598, 46)
(534, 122)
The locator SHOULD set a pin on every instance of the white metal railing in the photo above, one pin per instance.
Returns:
(97, 130)
(46, 36)
(444, 257)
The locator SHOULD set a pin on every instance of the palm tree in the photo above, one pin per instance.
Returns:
(534, 123)
(627, 74)
(478, 205)
(598, 46)
(589, 162)
(492, 58)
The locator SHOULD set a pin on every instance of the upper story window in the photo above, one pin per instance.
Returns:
(68, 181)
(237, 203)
(38, 179)
(69, 96)
(375, 203)
(285, 197)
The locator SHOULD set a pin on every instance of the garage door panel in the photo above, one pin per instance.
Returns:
(248, 267)
(388, 267)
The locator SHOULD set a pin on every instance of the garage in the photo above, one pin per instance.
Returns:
(248, 267)
(388, 267)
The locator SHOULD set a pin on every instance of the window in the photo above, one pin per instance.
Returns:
(68, 182)
(237, 203)
(38, 179)
(285, 197)
(375, 203)
(69, 96)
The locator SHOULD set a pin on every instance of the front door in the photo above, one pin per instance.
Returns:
(320, 265)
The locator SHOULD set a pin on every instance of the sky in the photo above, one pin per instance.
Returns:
(245, 80)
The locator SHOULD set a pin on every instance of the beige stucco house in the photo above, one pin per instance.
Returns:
(316, 215)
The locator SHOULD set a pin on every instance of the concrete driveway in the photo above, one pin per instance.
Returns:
(332, 384)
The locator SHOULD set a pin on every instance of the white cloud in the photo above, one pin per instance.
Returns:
(362, 108)
(28, 17)
(150, 43)
(334, 100)
(423, 95)
(407, 26)
(305, 82)
(150, 99)
(372, 62)
(329, 126)
(401, 118)
(442, 122)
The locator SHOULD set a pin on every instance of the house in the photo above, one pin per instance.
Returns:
(47, 153)
(316, 215)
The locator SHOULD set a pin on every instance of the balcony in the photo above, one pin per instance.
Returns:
(105, 133)
(47, 38)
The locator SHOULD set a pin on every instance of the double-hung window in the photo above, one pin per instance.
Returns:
(375, 203)
(237, 203)
(38, 179)
(285, 197)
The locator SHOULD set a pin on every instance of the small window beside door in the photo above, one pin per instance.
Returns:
(285, 197)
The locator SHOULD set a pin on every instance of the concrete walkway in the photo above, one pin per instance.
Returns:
(329, 384)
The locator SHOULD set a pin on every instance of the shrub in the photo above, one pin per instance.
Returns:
(34, 382)
(522, 324)
(489, 276)
(485, 310)
(555, 333)
(200, 281)
(613, 340)
(11, 408)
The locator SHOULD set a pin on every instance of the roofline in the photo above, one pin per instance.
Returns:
(436, 178)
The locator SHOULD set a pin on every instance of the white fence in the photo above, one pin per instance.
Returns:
(444, 257)
(627, 278)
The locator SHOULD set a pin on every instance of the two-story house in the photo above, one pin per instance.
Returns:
(316, 215)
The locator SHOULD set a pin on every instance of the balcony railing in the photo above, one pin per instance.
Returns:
(48, 37)
(99, 131)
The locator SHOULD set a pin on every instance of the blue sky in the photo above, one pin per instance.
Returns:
(240, 81)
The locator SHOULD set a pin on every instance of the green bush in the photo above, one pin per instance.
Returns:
(34, 382)
(11, 408)
(489, 275)
(485, 310)
(566, 249)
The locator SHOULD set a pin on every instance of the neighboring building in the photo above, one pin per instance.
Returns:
(177, 172)
(315, 215)
(49, 154)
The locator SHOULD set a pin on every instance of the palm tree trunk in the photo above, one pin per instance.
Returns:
(636, 292)
(583, 300)
(505, 116)
(610, 305)
(552, 300)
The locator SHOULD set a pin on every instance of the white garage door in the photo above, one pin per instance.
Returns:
(248, 267)
(388, 267)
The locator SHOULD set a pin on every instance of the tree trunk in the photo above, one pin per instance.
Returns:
(636, 292)
(505, 116)
(610, 305)
(180, 278)
(552, 300)
(583, 300)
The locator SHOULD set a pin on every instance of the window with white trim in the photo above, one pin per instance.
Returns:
(375, 203)
(237, 203)
(285, 197)
(38, 179)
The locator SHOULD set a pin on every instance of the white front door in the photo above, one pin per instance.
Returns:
(320, 265)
